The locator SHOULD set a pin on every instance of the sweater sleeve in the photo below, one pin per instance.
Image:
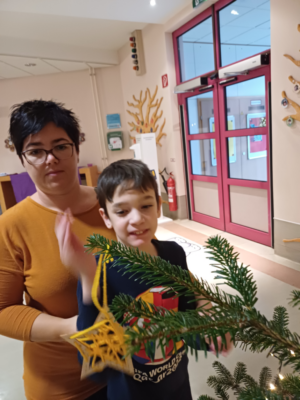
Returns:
(16, 319)
(87, 314)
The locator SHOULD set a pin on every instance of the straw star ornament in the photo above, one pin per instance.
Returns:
(103, 344)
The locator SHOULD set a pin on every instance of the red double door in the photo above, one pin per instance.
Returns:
(227, 144)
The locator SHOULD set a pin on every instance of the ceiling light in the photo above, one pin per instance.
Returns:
(152, 3)
(30, 65)
(234, 12)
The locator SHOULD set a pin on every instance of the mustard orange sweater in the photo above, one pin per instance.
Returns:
(30, 263)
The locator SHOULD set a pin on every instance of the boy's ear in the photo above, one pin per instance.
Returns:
(105, 218)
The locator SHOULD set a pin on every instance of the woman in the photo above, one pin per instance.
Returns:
(46, 137)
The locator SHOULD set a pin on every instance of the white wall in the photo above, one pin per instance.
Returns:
(75, 91)
(285, 39)
(159, 61)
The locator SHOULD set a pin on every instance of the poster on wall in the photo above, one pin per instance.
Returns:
(257, 144)
(113, 121)
(231, 141)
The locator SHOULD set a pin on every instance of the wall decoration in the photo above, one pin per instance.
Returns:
(81, 137)
(290, 121)
(296, 107)
(291, 240)
(296, 62)
(296, 84)
(137, 52)
(284, 103)
(149, 123)
(9, 144)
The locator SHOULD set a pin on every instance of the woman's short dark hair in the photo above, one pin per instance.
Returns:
(129, 174)
(31, 117)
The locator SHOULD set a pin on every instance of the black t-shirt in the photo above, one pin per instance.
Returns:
(163, 379)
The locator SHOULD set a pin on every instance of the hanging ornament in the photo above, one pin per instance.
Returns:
(297, 88)
(290, 121)
(296, 84)
(103, 344)
(9, 144)
(81, 137)
(284, 102)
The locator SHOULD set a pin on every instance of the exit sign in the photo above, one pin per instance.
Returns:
(197, 3)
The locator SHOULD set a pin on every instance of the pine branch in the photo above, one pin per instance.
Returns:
(295, 299)
(221, 393)
(259, 394)
(245, 387)
(236, 276)
(234, 314)
(291, 385)
(223, 372)
(265, 378)
(240, 373)
(157, 272)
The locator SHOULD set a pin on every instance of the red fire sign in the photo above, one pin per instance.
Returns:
(165, 82)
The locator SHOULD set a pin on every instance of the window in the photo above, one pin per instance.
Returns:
(244, 27)
(196, 51)
(250, 157)
(201, 113)
(204, 157)
(246, 104)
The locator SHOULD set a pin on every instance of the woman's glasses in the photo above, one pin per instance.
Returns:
(39, 156)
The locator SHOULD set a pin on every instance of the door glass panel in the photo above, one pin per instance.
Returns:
(244, 30)
(201, 113)
(247, 157)
(204, 157)
(196, 51)
(246, 104)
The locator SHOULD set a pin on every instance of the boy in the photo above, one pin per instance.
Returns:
(130, 204)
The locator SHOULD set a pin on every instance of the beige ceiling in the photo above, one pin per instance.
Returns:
(69, 35)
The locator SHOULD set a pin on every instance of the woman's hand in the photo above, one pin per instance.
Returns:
(72, 252)
(47, 328)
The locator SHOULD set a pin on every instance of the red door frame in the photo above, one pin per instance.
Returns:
(221, 135)
(239, 230)
(180, 31)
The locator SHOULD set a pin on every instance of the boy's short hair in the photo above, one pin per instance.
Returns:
(129, 174)
(32, 116)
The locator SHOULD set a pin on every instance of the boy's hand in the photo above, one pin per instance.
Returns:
(224, 352)
(71, 249)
